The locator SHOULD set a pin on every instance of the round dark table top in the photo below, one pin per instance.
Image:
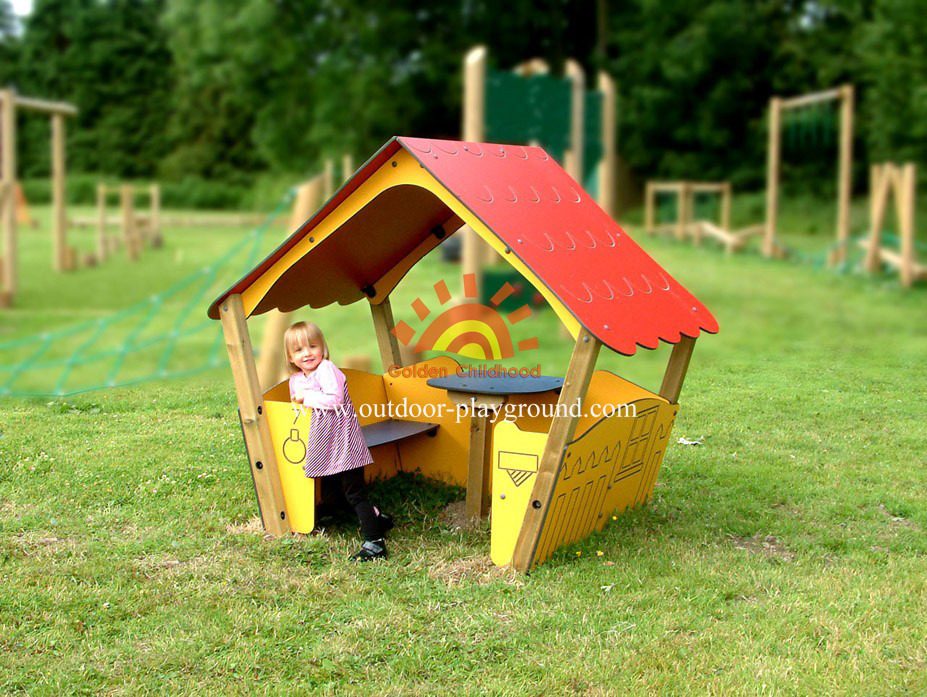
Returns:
(497, 385)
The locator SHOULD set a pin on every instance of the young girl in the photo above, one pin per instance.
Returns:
(336, 447)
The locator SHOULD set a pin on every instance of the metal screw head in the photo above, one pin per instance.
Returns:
(501, 496)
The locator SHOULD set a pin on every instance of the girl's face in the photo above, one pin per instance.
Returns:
(307, 357)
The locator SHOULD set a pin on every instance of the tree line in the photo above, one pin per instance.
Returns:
(224, 90)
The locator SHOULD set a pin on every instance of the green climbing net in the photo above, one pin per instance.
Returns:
(167, 335)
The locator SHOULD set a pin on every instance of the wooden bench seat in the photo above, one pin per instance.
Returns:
(393, 430)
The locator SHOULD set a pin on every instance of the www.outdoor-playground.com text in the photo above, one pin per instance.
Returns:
(508, 412)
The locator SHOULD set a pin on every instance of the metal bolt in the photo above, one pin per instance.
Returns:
(501, 496)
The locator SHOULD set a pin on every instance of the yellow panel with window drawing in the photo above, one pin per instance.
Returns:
(609, 468)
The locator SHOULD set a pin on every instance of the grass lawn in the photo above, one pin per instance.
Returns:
(785, 555)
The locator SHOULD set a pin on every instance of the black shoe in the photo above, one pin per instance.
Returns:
(386, 522)
(370, 550)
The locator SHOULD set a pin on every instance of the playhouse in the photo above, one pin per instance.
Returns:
(547, 480)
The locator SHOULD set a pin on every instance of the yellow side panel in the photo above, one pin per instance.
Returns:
(609, 468)
(289, 432)
(442, 457)
(515, 458)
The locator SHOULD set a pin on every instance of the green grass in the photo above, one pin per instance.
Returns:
(786, 555)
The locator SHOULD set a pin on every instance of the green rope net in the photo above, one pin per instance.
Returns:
(168, 335)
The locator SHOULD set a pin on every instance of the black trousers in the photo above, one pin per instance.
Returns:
(355, 491)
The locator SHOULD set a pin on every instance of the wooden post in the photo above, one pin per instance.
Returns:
(562, 431)
(609, 161)
(676, 369)
(649, 201)
(474, 251)
(154, 216)
(102, 244)
(772, 176)
(272, 361)
(328, 179)
(682, 210)
(347, 166)
(879, 187)
(8, 179)
(129, 231)
(907, 198)
(573, 158)
(726, 206)
(389, 345)
(254, 424)
(845, 173)
(59, 215)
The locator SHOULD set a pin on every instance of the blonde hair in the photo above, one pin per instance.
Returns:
(302, 334)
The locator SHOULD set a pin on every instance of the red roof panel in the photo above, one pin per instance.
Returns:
(614, 288)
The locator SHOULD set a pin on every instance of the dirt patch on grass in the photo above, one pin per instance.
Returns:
(474, 569)
(768, 545)
(455, 517)
(897, 521)
(249, 527)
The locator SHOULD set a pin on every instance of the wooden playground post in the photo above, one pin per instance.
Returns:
(676, 369)
(573, 157)
(62, 260)
(102, 238)
(608, 163)
(683, 210)
(474, 130)
(562, 430)
(772, 176)
(649, 200)
(271, 367)
(908, 186)
(844, 174)
(386, 341)
(154, 213)
(254, 424)
(726, 206)
(8, 211)
(129, 230)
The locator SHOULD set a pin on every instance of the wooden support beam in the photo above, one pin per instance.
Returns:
(814, 98)
(46, 106)
(726, 206)
(676, 369)
(562, 431)
(906, 206)
(254, 423)
(154, 207)
(573, 157)
(650, 196)
(844, 173)
(102, 244)
(129, 229)
(9, 274)
(609, 163)
(272, 361)
(386, 340)
(60, 259)
(772, 176)
(683, 210)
